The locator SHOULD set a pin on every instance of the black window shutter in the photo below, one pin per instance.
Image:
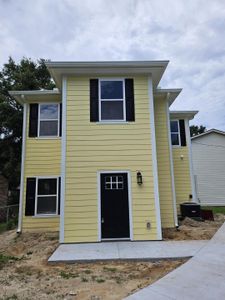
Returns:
(94, 100)
(60, 119)
(129, 93)
(59, 195)
(33, 122)
(30, 196)
(182, 133)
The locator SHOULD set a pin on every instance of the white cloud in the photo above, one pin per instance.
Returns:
(188, 33)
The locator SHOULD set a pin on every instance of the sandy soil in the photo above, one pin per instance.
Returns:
(26, 275)
(31, 277)
(194, 230)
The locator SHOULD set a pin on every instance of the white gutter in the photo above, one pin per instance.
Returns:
(171, 165)
(188, 138)
(63, 160)
(19, 229)
(154, 159)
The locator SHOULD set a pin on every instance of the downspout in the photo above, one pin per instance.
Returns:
(19, 228)
(171, 164)
(188, 137)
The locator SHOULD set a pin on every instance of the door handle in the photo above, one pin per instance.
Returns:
(102, 220)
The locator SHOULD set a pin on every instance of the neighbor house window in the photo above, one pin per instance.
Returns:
(112, 100)
(47, 196)
(48, 120)
(175, 132)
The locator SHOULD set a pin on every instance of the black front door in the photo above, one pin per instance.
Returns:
(114, 206)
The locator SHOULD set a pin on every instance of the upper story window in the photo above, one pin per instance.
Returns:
(178, 133)
(175, 132)
(111, 100)
(48, 120)
(45, 120)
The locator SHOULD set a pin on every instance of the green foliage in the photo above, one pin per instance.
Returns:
(109, 269)
(25, 75)
(195, 129)
(215, 209)
(68, 275)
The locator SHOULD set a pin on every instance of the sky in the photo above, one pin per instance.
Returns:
(190, 34)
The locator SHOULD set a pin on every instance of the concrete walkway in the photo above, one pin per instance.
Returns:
(201, 277)
(150, 250)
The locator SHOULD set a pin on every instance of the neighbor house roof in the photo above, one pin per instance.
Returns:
(213, 130)
(179, 114)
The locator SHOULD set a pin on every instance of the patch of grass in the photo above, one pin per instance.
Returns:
(117, 279)
(66, 275)
(7, 258)
(100, 280)
(87, 271)
(84, 279)
(13, 297)
(109, 269)
(215, 209)
(93, 277)
(3, 227)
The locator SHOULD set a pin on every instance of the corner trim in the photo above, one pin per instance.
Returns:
(19, 229)
(63, 160)
(154, 158)
(171, 168)
(188, 139)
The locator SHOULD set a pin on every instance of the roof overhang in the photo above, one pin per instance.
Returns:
(208, 132)
(170, 94)
(183, 114)
(58, 69)
(37, 95)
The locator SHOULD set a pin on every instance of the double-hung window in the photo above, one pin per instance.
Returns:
(47, 196)
(175, 132)
(112, 100)
(48, 120)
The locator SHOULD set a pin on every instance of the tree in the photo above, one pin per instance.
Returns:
(25, 75)
(195, 129)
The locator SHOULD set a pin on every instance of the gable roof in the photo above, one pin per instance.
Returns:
(59, 68)
(213, 130)
(179, 114)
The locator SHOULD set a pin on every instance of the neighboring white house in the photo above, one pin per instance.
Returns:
(208, 151)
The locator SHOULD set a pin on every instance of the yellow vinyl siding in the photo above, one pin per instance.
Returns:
(163, 160)
(42, 158)
(93, 147)
(182, 175)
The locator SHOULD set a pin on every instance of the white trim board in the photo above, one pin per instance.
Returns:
(129, 202)
(63, 161)
(24, 136)
(171, 168)
(188, 140)
(154, 158)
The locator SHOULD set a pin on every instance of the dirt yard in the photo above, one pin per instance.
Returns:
(194, 230)
(25, 274)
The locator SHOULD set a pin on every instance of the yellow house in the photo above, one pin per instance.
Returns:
(103, 157)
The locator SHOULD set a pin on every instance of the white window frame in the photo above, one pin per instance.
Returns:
(39, 120)
(57, 196)
(177, 132)
(100, 100)
(117, 182)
